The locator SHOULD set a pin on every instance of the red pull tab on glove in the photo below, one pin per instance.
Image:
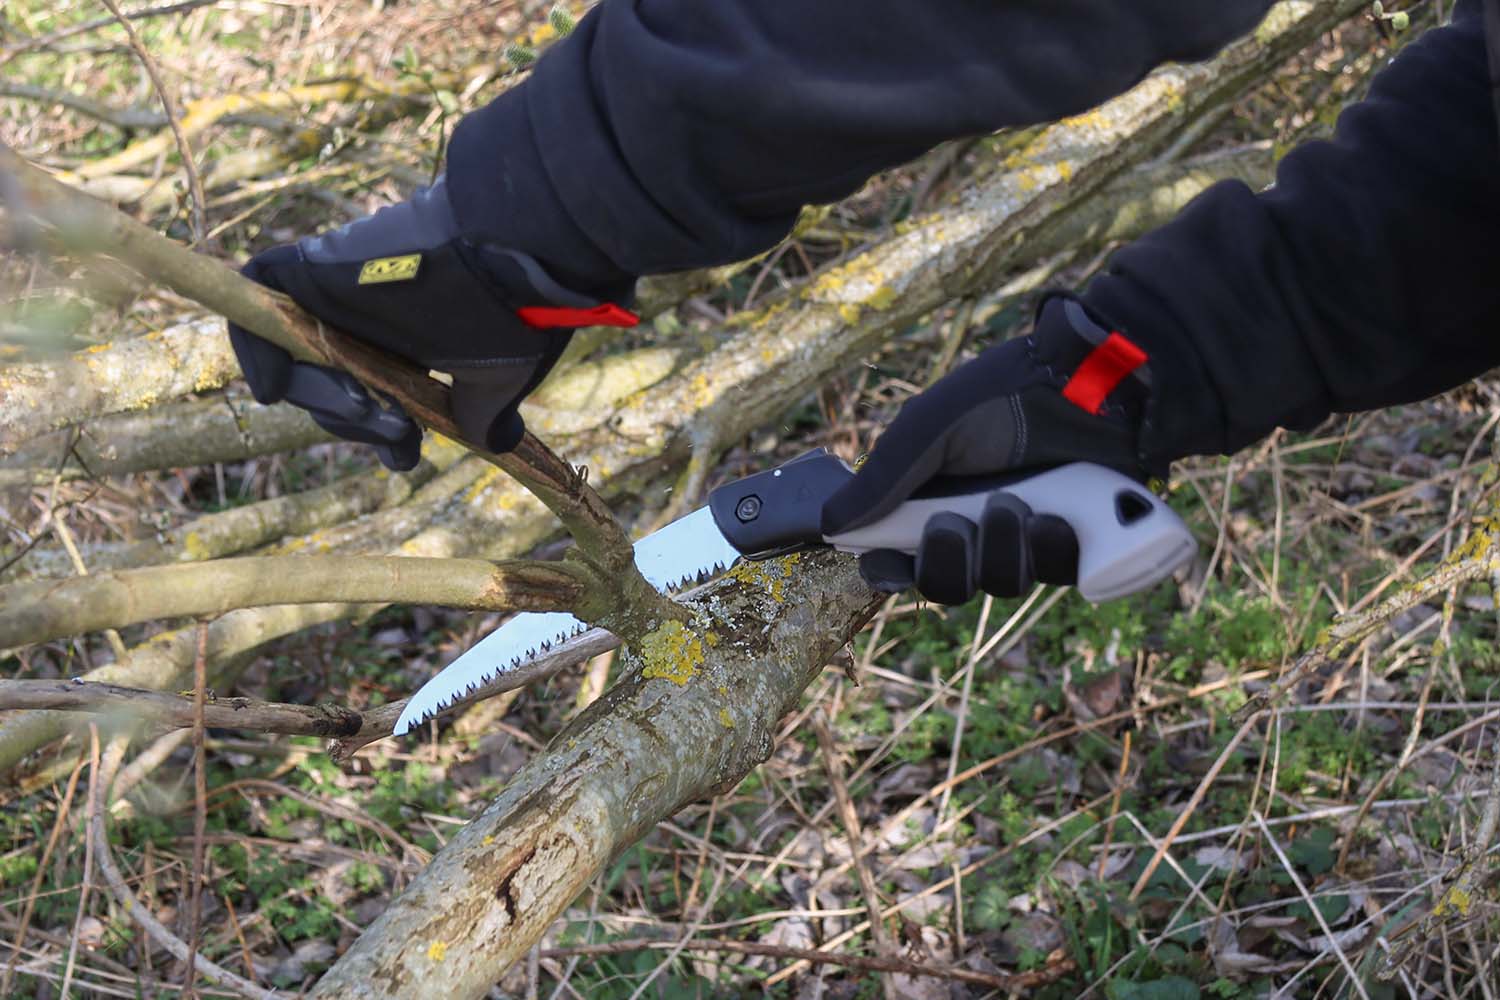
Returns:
(552, 317)
(1106, 367)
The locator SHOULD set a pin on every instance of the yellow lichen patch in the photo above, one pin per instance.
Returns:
(758, 574)
(883, 297)
(849, 313)
(485, 480)
(1457, 898)
(703, 393)
(437, 951)
(488, 840)
(193, 547)
(671, 653)
(725, 719)
(1089, 118)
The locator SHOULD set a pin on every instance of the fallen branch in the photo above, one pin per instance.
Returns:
(176, 711)
(121, 118)
(228, 428)
(239, 529)
(125, 375)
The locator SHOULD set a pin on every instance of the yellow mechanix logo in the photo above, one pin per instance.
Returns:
(383, 269)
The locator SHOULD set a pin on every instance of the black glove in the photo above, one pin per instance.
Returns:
(1072, 391)
(406, 280)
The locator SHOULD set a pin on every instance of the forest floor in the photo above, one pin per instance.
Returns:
(1016, 764)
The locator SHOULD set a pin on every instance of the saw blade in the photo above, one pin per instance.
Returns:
(686, 552)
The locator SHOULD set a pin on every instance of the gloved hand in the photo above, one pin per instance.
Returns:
(1072, 391)
(406, 280)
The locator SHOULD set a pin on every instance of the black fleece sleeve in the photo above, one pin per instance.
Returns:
(1367, 276)
(668, 134)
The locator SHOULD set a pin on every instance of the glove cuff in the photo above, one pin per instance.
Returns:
(1098, 368)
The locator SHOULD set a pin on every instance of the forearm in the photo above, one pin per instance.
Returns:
(683, 133)
(1365, 278)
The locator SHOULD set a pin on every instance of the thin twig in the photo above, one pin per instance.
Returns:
(63, 34)
(195, 182)
(1312, 904)
(862, 963)
(884, 946)
(98, 842)
(200, 800)
(1192, 805)
(96, 804)
(58, 826)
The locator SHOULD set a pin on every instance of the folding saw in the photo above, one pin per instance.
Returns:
(1128, 540)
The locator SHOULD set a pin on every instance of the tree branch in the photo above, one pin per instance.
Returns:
(43, 610)
(693, 713)
(176, 711)
(125, 375)
(168, 105)
(618, 596)
(228, 428)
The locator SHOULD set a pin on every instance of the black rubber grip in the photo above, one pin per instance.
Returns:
(779, 510)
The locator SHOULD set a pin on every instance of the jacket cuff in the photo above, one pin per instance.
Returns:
(501, 193)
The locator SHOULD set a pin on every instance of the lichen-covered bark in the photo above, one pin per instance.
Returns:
(1141, 200)
(221, 428)
(132, 374)
(694, 713)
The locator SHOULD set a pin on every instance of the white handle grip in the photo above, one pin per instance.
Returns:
(1128, 539)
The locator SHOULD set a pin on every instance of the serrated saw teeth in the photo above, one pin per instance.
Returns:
(688, 552)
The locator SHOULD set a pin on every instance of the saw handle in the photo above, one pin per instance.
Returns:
(1128, 539)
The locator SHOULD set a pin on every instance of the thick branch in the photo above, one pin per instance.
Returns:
(176, 711)
(187, 433)
(695, 713)
(45, 610)
(126, 375)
